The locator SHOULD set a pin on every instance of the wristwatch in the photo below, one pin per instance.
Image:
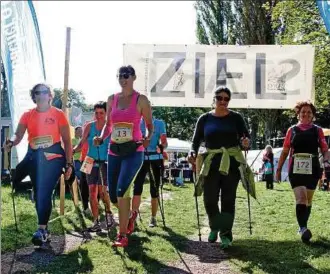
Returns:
(69, 165)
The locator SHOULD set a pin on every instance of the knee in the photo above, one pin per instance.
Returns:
(154, 192)
(113, 197)
(228, 206)
(301, 201)
(138, 189)
(211, 207)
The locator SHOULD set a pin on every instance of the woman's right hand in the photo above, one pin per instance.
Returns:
(278, 175)
(97, 141)
(7, 145)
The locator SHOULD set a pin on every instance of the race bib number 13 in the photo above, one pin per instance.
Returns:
(302, 165)
(122, 133)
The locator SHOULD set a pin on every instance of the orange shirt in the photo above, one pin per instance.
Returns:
(44, 127)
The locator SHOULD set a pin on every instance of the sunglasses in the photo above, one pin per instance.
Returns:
(124, 75)
(44, 91)
(221, 98)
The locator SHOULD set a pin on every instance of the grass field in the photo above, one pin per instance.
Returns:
(274, 246)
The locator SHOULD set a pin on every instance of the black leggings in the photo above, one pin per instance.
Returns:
(84, 190)
(155, 165)
(224, 187)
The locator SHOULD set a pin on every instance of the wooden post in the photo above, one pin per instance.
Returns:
(64, 108)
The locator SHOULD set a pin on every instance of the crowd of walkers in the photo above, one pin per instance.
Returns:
(112, 154)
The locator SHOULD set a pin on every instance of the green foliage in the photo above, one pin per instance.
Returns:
(304, 25)
(251, 22)
(5, 111)
(213, 23)
(75, 98)
(180, 122)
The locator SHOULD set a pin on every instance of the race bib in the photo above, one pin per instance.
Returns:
(122, 133)
(302, 164)
(87, 165)
(42, 142)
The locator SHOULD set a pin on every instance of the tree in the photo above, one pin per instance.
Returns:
(179, 121)
(5, 111)
(75, 98)
(243, 22)
(304, 25)
(214, 22)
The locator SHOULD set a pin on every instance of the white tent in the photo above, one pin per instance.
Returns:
(254, 159)
(176, 145)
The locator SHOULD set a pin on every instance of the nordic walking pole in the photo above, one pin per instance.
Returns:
(102, 183)
(161, 180)
(196, 201)
(12, 188)
(248, 194)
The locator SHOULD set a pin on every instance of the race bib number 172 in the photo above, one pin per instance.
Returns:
(302, 165)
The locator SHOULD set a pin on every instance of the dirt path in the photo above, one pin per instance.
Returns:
(200, 257)
(197, 257)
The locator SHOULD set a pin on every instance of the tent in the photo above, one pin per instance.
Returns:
(177, 145)
(254, 159)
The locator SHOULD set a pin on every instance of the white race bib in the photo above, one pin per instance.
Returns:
(87, 165)
(122, 133)
(302, 164)
(42, 142)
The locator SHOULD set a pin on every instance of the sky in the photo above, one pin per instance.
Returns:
(98, 31)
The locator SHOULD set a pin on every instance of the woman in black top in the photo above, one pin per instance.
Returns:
(223, 131)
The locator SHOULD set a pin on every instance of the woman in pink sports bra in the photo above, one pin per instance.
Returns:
(126, 148)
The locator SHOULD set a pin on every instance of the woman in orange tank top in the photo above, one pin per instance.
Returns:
(45, 160)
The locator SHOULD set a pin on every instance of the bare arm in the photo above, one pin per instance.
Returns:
(145, 109)
(18, 136)
(107, 127)
(163, 140)
(66, 138)
(284, 154)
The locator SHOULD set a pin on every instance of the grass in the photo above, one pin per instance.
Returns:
(274, 246)
(149, 250)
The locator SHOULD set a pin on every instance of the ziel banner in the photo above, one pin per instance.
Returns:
(265, 76)
(22, 58)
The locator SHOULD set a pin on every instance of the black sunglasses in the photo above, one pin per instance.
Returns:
(221, 98)
(124, 75)
(44, 91)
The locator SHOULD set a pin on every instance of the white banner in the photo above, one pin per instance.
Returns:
(22, 58)
(261, 76)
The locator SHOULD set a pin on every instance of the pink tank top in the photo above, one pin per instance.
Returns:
(126, 122)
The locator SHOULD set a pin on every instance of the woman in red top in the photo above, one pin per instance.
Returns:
(47, 127)
(303, 142)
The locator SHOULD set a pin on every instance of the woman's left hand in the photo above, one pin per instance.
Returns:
(146, 143)
(245, 142)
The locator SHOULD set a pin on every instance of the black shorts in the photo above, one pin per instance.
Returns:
(95, 179)
(154, 166)
(309, 181)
